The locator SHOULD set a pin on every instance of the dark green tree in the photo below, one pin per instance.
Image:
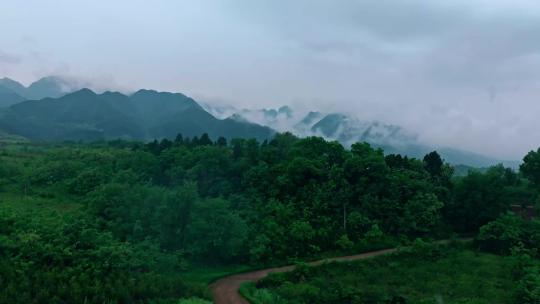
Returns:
(433, 164)
(176, 217)
(530, 168)
(205, 140)
(179, 140)
(222, 142)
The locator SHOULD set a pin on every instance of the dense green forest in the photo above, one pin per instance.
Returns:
(122, 221)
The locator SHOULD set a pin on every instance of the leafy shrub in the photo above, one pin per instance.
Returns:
(87, 181)
(344, 243)
(508, 232)
(528, 287)
(501, 235)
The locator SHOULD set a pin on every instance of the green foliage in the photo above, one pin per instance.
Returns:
(73, 261)
(509, 232)
(424, 250)
(175, 216)
(147, 211)
(531, 167)
(225, 232)
(453, 276)
(481, 197)
(8, 171)
(87, 181)
(528, 286)
(344, 243)
(433, 164)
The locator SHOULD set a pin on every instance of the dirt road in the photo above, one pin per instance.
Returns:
(225, 290)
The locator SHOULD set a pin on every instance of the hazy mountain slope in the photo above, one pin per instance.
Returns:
(158, 107)
(145, 115)
(121, 103)
(8, 97)
(219, 111)
(307, 123)
(468, 158)
(330, 125)
(15, 86)
(82, 115)
(452, 156)
(167, 114)
(50, 86)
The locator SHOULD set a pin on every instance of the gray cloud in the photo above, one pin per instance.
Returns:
(7, 58)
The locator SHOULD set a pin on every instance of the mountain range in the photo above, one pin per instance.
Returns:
(348, 129)
(52, 109)
(144, 115)
(51, 86)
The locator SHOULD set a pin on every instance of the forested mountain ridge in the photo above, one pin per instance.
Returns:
(144, 115)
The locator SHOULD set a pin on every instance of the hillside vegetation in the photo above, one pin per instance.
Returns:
(421, 274)
(121, 221)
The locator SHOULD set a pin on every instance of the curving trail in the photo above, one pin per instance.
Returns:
(225, 290)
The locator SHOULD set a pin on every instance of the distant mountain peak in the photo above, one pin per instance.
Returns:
(82, 92)
(7, 80)
(50, 86)
(13, 85)
(154, 93)
(145, 91)
(329, 125)
(286, 110)
(304, 126)
(8, 97)
(57, 81)
(113, 93)
(50, 78)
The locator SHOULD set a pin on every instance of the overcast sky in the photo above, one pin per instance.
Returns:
(459, 73)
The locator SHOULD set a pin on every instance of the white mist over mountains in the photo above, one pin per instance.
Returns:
(348, 129)
(344, 127)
